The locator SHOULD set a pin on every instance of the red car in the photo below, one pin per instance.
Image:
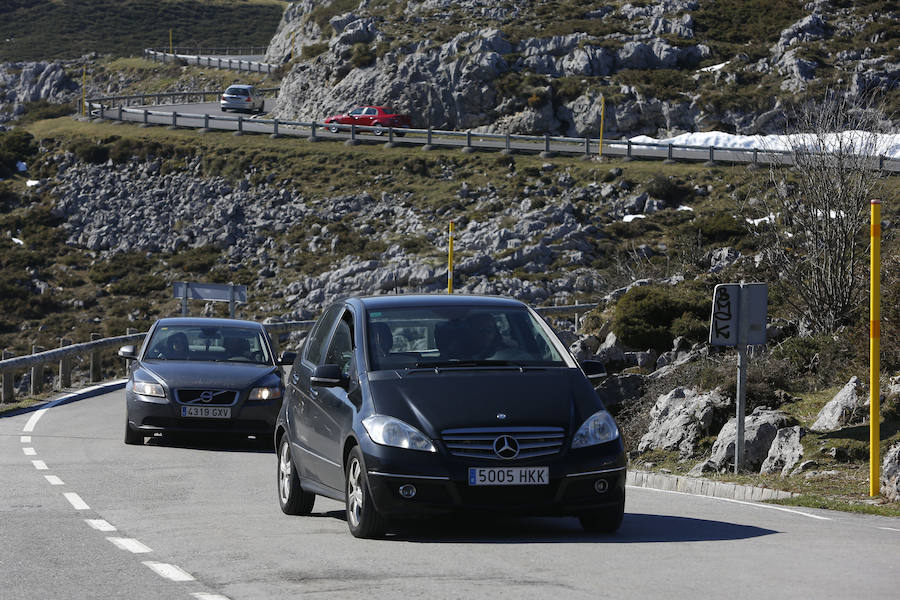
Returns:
(379, 117)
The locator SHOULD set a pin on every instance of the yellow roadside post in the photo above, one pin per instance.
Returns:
(874, 353)
(450, 262)
(602, 114)
(83, 83)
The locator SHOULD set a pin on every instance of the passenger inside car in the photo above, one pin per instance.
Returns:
(384, 339)
(177, 347)
(485, 339)
(237, 349)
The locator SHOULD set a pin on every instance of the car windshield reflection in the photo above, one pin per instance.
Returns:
(208, 344)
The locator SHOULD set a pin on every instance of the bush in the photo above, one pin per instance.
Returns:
(15, 146)
(717, 229)
(362, 56)
(40, 110)
(668, 189)
(652, 316)
(313, 50)
(90, 152)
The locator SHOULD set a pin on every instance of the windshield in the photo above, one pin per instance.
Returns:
(217, 344)
(447, 336)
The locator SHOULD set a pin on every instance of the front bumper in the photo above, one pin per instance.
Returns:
(151, 415)
(580, 481)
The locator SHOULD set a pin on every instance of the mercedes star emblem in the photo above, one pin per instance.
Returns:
(501, 416)
(506, 446)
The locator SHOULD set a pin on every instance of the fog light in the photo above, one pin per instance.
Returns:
(408, 490)
(600, 486)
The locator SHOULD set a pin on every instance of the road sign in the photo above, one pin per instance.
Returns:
(739, 319)
(216, 292)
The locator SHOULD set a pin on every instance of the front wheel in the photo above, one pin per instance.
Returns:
(291, 497)
(362, 516)
(333, 128)
(379, 129)
(604, 520)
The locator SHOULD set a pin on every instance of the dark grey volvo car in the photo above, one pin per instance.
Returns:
(406, 406)
(203, 375)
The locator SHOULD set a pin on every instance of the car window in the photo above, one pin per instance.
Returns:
(357, 111)
(445, 335)
(208, 343)
(237, 92)
(340, 350)
(315, 344)
(371, 111)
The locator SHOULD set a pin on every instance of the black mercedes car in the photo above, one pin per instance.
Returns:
(199, 375)
(407, 406)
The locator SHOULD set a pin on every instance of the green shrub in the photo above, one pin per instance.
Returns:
(196, 260)
(361, 56)
(90, 152)
(668, 189)
(40, 110)
(715, 229)
(16, 145)
(652, 316)
(313, 50)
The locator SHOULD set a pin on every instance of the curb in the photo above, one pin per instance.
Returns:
(67, 397)
(702, 487)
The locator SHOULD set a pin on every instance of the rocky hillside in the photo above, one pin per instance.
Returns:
(663, 67)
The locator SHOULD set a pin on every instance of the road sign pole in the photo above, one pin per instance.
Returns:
(743, 331)
(875, 353)
(450, 262)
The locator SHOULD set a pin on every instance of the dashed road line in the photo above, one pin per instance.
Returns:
(25, 439)
(207, 596)
(39, 465)
(130, 544)
(753, 504)
(100, 524)
(889, 529)
(53, 480)
(29, 451)
(76, 501)
(168, 571)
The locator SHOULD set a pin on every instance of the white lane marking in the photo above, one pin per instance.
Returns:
(53, 480)
(39, 465)
(130, 544)
(207, 596)
(76, 501)
(100, 524)
(29, 451)
(889, 529)
(29, 426)
(25, 439)
(168, 571)
(754, 504)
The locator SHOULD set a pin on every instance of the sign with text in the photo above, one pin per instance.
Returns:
(739, 314)
(211, 291)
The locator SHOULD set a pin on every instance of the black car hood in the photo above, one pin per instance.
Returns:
(454, 399)
(197, 374)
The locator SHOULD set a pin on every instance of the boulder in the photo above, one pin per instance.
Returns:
(620, 389)
(760, 429)
(681, 418)
(785, 451)
(846, 408)
(890, 474)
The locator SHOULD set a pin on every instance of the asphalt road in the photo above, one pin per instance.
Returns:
(207, 514)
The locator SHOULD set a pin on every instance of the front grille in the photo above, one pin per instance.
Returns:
(479, 442)
(506, 496)
(207, 397)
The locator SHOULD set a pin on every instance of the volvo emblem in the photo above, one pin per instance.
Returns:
(501, 416)
(207, 396)
(506, 446)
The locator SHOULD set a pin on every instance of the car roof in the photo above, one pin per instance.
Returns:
(207, 322)
(411, 300)
(240, 85)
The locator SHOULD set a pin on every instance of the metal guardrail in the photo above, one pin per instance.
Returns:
(202, 59)
(118, 108)
(38, 361)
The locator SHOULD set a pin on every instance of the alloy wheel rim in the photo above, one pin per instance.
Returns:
(284, 470)
(354, 493)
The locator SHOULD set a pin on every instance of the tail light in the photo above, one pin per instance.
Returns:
(249, 99)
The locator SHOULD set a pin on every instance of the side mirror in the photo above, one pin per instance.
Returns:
(328, 376)
(594, 369)
(128, 352)
(287, 358)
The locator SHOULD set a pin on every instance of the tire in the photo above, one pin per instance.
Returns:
(224, 110)
(606, 520)
(379, 129)
(262, 107)
(333, 128)
(291, 497)
(362, 516)
(132, 437)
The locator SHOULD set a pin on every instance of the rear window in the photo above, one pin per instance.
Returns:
(237, 92)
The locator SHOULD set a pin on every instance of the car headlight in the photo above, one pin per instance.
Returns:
(599, 428)
(146, 388)
(265, 393)
(388, 431)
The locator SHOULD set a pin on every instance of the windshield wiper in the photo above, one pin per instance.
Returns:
(452, 364)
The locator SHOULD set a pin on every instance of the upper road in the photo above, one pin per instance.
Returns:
(196, 520)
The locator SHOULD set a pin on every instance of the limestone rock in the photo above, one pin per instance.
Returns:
(847, 407)
(680, 418)
(785, 452)
(760, 429)
(890, 474)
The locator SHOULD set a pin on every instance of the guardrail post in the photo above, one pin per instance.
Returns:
(146, 122)
(8, 391)
(95, 359)
(220, 62)
(669, 158)
(240, 129)
(205, 128)
(65, 366)
(881, 162)
(37, 373)
(174, 124)
(508, 148)
(428, 145)
(712, 161)
(628, 156)
(275, 134)
(229, 63)
(102, 108)
(468, 149)
(312, 132)
(390, 142)
(547, 153)
(352, 141)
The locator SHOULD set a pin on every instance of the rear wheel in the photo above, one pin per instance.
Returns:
(605, 520)
(362, 516)
(132, 437)
(291, 497)
(333, 128)
(379, 129)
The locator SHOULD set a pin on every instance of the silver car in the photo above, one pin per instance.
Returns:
(242, 97)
